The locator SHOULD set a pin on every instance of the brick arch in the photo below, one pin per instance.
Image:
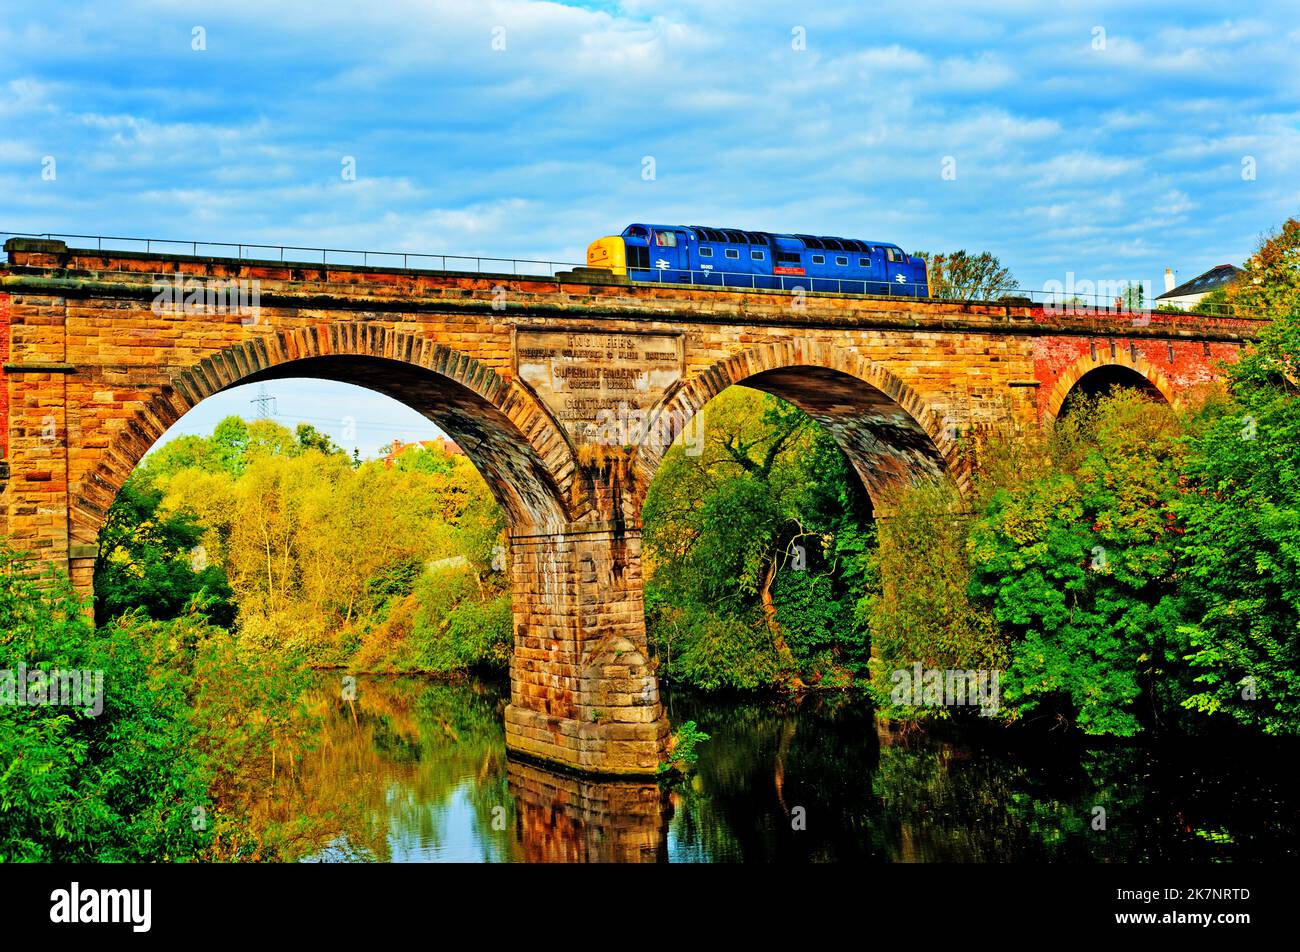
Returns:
(895, 436)
(1088, 363)
(524, 456)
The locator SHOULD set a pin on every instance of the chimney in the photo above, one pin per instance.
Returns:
(1169, 279)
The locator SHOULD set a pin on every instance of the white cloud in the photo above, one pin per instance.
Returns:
(534, 150)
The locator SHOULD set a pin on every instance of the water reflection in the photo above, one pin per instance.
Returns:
(415, 770)
(564, 819)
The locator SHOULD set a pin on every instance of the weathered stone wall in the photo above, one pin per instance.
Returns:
(582, 690)
(4, 377)
(4, 409)
(98, 369)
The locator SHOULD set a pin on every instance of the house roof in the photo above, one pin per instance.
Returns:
(1211, 280)
(399, 447)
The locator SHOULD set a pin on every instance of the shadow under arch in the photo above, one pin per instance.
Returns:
(1091, 376)
(523, 455)
(880, 423)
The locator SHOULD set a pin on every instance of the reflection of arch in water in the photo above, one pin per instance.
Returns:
(565, 819)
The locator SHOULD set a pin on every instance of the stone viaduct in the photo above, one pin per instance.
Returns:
(565, 393)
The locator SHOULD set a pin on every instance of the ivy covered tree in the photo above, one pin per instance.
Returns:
(917, 604)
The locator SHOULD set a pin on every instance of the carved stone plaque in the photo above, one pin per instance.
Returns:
(592, 379)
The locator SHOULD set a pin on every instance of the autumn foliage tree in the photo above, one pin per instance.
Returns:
(1269, 284)
(318, 550)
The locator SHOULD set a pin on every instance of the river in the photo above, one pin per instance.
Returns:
(415, 770)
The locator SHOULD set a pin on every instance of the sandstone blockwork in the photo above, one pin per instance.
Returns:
(103, 351)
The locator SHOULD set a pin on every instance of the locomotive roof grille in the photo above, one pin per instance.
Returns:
(733, 236)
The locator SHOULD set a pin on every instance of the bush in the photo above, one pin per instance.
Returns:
(712, 651)
(77, 786)
(918, 606)
(459, 625)
(172, 765)
(821, 627)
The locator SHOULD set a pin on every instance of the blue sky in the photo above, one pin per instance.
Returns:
(1085, 138)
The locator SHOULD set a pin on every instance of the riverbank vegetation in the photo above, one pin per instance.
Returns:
(170, 746)
(376, 566)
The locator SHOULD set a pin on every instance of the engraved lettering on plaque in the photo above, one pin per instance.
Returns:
(589, 378)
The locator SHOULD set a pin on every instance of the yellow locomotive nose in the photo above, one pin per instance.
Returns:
(609, 254)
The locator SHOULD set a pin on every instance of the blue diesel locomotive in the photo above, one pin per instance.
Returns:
(726, 257)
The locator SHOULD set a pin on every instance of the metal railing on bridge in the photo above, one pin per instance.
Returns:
(1057, 302)
(341, 257)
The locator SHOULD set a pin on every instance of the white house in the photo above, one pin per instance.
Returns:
(1189, 293)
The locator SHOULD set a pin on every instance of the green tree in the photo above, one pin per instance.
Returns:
(154, 561)
(962, 276)
(1079, 562)
(756, 533)
(1242, 518)
(310, 438)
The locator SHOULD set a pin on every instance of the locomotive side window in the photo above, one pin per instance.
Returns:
(864, 262)
(756, 255)
(733, 253)
(666, 239)
(786, 257)
(841, 259)
(706, 252)
(818, 259)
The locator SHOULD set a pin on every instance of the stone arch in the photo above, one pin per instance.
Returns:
(1086, 364)
(523, 454)
(884, 427)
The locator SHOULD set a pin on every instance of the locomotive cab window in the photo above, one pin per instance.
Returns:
(895, 255)
(733, 253)
(666, 239)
